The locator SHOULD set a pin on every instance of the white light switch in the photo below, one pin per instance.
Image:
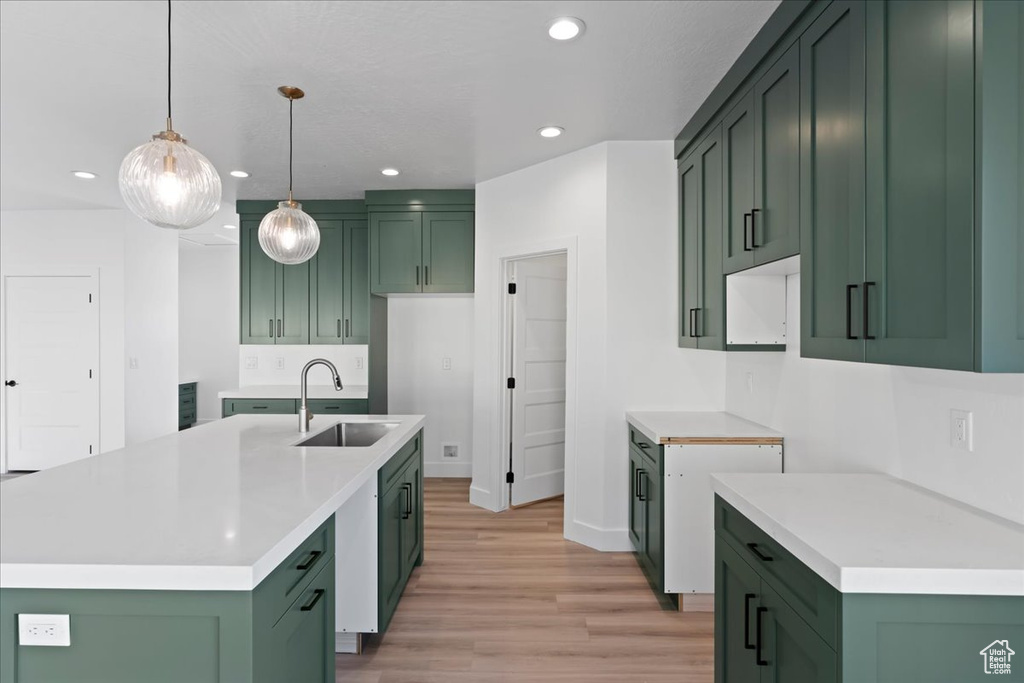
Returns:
(446, 363)
(359, 363)
(961, 428)
(133, 363)
(47, 630)
(251, 362)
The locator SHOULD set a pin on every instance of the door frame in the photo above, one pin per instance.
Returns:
(45, 271)
(506, 257)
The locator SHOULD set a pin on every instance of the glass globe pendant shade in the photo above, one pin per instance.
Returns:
(288, 234)
(169, 184)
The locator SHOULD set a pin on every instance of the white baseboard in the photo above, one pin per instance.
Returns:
(454, 470)
(605, 540)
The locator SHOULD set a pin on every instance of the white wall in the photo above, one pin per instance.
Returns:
(859, 417)
(283, 364)
(208, 322)
(614, 205)
(137, 264)
(422, 332)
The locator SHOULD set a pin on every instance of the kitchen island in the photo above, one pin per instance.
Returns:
(203, 555)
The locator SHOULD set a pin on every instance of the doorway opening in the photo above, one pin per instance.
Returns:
(534, 410)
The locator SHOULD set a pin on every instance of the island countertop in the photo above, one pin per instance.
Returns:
(318, 391)
(871, 533)
(216, 507)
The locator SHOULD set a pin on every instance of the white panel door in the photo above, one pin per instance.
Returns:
(538, 361)
(51, 347)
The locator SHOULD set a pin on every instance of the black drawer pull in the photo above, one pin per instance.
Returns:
(757, 646)
(849, 305)
(260, 407)
(642, 445)
(310, 561)
(746, 620)
(317, 594)
(761, 556)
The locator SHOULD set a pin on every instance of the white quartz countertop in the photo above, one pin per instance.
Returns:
(292, 391)
(665, 427)
(215, 507)
(868, 533)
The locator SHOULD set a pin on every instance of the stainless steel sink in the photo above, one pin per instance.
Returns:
(350, 434)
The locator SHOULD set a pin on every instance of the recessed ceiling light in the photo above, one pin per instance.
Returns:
(550, 131)
(230, 227)
(239, 174)
(389, 171)
(566, 28)
(85, 175)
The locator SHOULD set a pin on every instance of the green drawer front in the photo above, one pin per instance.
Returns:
(391, 472)
(186, 389)
(259, 406)
(808, 594)
(642, 445)
(186, 416)
(347, 406)
(186, 402)
(283, 586)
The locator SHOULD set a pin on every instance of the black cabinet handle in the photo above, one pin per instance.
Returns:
(317, 594)
(407, 510)
(310, 561)
(746, 240)
(692, 332)
(259, 407)
(746, 620)
(849, 305)
(761, 556)
(426, 275)
(636, 483)
(271, 332)
(642, 446)
(640, 489)
(753, 228)
(865, 307)
(10, 383)
(279, 333)
(757, 645)
(696, 321)
(417, 275)
(347, 332)
(339, 327)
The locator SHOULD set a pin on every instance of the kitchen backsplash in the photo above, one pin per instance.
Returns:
(283, 364)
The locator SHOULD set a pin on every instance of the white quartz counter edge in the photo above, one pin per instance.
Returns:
(664, 425)
(317, 391)
(865, 579)
(206, 578)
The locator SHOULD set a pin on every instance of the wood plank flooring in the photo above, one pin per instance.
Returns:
(504, 598)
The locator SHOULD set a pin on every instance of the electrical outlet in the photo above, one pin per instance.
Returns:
(750, 382)
(46, 630)
(252, 362)
(133, 363)
(359, 362)
(446, 363)
(451, 450)
(279, 362)
(961, 430)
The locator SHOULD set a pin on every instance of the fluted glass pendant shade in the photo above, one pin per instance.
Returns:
(288, 234)
(169, 184)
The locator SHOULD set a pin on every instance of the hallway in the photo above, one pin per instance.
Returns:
(503, 597)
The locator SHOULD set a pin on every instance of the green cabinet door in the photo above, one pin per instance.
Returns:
(396, 252)
(637, 520)
(791, 652)
(775, 218)
(448, 239)
(258, 289)
(653, 554)
(737, 596)
(920, 188)
(293, 304)
(738, 170)
(391, 581)
(832, 183)
(710, 316)
(689, 251)
(327, 289)
(302, 641)
(356, 324)
(412, 529)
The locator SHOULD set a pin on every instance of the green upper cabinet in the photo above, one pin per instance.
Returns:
(338, 284)
(396, 252)
(421, 241)
(738, 176)
(920, 184)
(832, 179)
(448, 238)
(702, 283)
(274, 297)
(775, 217)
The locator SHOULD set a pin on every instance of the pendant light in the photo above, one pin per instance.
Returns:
(288, 234)
(166, 182)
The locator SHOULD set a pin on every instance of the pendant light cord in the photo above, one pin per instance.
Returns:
(291, 146)
(168, 64)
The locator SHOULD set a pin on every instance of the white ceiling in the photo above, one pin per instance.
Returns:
(451, 93)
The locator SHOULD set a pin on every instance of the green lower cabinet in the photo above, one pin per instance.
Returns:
(281, 631)
(187, 407)
(647, 513)
(400, 527)
(775, 623)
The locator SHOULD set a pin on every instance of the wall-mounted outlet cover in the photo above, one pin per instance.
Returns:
(252, 362)
(750, 382)
(961, 430)
(45, 630)
(450, 450)
(133, 363)
(446, 363)
(359, 362)
(279, 362)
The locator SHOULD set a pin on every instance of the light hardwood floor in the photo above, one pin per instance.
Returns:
(504, 598)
